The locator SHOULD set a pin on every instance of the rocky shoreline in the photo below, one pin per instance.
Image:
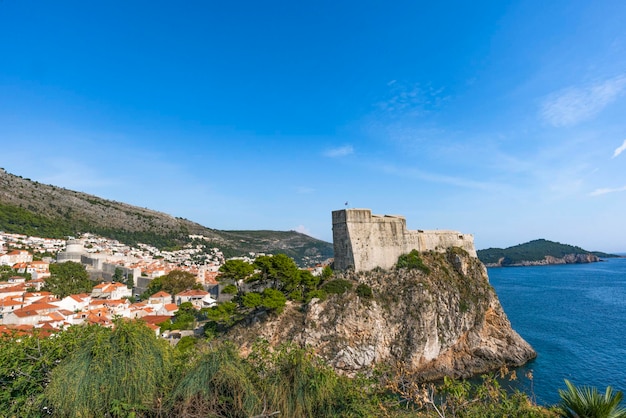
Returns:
(550, 260)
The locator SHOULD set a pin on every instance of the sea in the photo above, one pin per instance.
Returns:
(574, 316)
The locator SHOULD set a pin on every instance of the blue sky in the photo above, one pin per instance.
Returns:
(506, 120)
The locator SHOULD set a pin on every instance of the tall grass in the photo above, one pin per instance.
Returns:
(287, 381)
(117, 373)
(219, 384)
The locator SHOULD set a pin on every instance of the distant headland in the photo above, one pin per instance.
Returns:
(540, 252)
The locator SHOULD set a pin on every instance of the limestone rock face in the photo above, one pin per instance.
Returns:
(447, 322)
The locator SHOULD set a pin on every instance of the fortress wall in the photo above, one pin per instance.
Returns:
(364, 241)
(438, 240)
(377, 243)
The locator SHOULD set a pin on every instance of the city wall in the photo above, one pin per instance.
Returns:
(363, 241)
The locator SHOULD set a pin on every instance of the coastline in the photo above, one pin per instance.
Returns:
(551, 261)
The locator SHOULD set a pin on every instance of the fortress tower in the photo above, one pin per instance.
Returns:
(74, 249)
(364, 241)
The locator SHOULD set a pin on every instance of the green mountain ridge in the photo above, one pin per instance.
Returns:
(534, 251)
(31, 208)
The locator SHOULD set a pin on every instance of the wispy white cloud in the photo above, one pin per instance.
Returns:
(600, 192)
(619, 149)
(304, 190)
(410, 172)
(409, 99)
(303, 230)
(342, 151)
(575, 104)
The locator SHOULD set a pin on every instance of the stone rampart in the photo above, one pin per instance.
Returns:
(363, 241)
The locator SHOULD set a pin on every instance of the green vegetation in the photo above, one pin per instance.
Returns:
(235, 270)
(230, 289)
(68, 278)
(220, 384)
(7, 272)
(128, 372)
(222, 316)
(457, 398)
(184, 318)
(337, 286)
(268, 284)
(412, 261)
(232, 272)
(535, 250)
(173, 282)
(270, 299)
(121, 371)
(91, 371)
(14, 219)
(364, 291)
(588, 402)
(26, 363)
(278, 270)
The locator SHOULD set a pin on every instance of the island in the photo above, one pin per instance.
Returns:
(539, 252)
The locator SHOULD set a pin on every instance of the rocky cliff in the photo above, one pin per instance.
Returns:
(442, 320)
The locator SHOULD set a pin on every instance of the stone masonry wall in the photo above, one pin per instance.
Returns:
(364, 241)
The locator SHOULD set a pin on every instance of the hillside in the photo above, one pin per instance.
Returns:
(538, 252)
(31, 208)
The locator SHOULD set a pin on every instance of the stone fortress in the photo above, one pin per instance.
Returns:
(363, 241)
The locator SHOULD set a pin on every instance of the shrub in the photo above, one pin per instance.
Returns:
(318, 293)
(271, 299)
(230, 289)
(296, 295)
(252, 300)
(274, 300)
(186, 343)
(412, 261)
(364, 291)
(337, 286)
(461, 398)
(327, 273)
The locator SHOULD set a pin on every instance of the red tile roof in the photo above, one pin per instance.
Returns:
(193, 292)
(156, 319)
(161, 294)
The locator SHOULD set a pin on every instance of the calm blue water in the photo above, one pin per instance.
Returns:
(574, 316)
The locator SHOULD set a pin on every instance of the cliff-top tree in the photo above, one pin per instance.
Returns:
(233, 271)
(68, 278)
(280, 270)
(270, 299)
